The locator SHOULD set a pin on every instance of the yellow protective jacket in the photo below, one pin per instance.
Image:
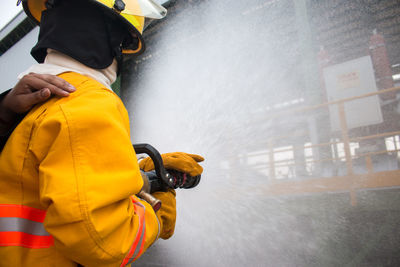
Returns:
(68, 174)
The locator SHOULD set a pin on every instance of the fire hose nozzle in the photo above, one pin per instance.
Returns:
(161, 179)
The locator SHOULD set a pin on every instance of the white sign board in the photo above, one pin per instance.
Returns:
(349, 79)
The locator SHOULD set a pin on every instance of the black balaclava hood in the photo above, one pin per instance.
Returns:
(81, 30)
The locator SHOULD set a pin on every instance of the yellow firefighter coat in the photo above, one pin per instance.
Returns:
(67, 176)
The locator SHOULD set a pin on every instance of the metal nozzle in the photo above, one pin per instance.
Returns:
(154, 202)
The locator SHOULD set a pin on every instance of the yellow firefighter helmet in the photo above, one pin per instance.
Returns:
(131, 12)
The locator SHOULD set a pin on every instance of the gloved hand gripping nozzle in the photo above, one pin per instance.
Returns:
(160, 179)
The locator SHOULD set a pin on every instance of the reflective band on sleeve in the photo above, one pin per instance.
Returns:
(22, 212)
(21, 239)
(138, 244)
(16, 224)
(23, 226)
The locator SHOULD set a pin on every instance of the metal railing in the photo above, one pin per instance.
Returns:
(346, 140)
(347, 181)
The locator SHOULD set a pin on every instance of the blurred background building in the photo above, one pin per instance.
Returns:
(295, 106)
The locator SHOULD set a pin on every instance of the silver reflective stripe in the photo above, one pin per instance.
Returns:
(159, 229)
(22, 225)
(139, 245)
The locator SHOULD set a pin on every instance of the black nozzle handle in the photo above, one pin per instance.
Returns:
(157, 160)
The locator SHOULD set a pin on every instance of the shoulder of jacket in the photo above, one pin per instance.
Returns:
(89, 94)
(91, 102)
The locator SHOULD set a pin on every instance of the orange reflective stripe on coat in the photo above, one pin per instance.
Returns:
(137, 247)
(23, 226)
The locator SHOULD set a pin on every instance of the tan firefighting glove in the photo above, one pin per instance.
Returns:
(179, 161)
(167, 213)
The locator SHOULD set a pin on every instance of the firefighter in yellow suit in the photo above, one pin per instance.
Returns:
(68, 172)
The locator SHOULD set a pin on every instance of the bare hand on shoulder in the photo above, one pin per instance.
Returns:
(32, 89)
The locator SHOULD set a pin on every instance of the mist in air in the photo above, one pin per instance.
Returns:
(285, 182)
